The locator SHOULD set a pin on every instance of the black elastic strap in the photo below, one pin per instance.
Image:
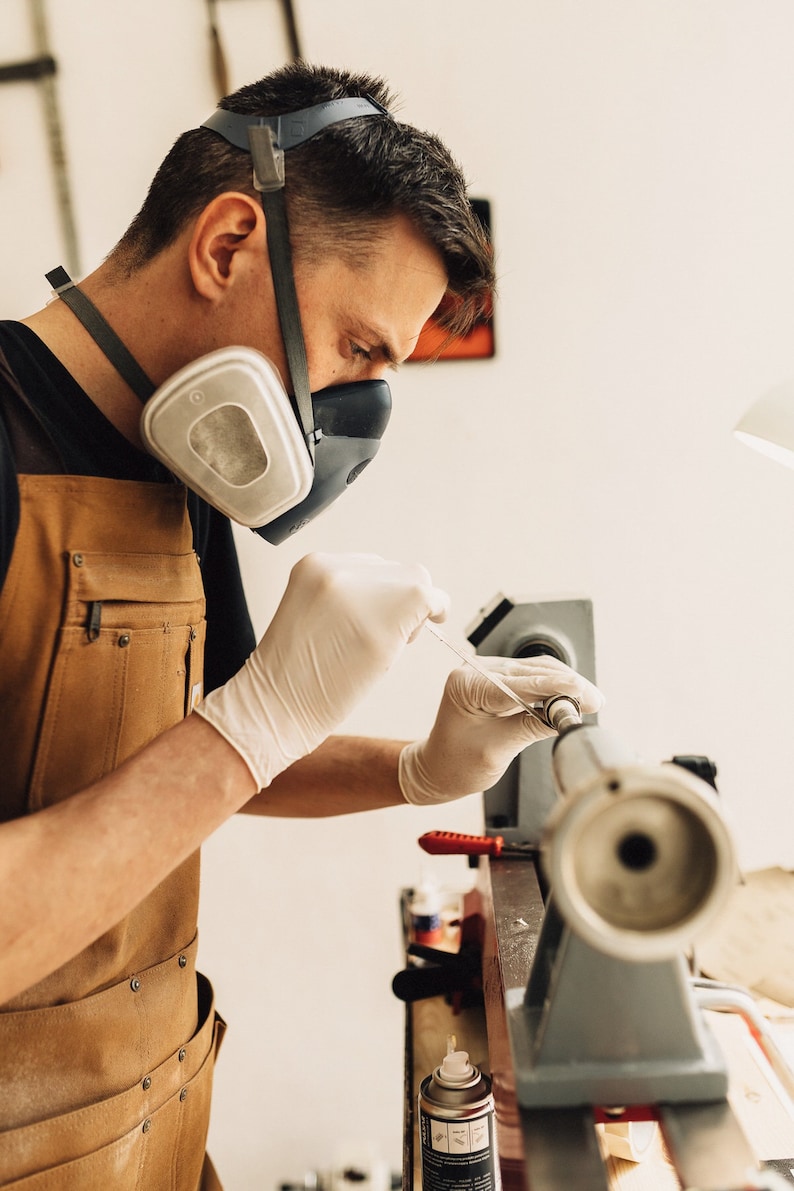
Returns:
(269, 181)
(293, 128)
(102, 333)
(288, 311)
(266, 138)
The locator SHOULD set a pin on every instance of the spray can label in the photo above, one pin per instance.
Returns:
(458, 1146)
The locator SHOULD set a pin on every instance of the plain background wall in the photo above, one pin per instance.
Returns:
(638, 157)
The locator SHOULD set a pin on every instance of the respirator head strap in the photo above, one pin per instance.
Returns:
(101, 332)
(293, 128)
(268, 163)
(267, 138)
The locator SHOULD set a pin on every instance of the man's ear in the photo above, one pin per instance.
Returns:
(225, 234)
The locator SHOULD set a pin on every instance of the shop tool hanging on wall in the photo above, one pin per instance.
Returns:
(220, 69)
(41, 69)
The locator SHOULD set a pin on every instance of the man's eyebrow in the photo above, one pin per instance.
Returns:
(380, 343)
(389, 354)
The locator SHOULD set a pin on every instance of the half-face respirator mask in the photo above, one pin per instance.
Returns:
(224, 424)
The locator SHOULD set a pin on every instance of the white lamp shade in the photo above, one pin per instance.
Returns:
(768, 425)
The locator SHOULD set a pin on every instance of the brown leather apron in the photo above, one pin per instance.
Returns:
(106, 1064)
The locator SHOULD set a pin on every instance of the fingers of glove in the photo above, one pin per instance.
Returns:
(479, 729)
(341, 623)
(532, 679)
(438, 604)
(481, 710)
(375, 601)
(460, 757)
(546, 676)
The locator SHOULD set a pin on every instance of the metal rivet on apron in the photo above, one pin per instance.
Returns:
(183, 1094)
(147, 1083)
(147, 1124)
(193, 634)
(183, 961)
(135, 984)
(124, 640)
(182, 1055)
(78, 560)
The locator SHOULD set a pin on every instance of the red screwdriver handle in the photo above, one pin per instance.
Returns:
(455, 843)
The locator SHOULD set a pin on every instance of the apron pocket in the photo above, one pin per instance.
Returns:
(149, 1137)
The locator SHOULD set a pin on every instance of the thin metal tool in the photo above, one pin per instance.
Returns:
(494, 679)
(560, 712)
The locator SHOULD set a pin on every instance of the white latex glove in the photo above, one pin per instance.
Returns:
(479, 730)
(341, 623)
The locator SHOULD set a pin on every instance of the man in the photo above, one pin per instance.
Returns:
(108, 567)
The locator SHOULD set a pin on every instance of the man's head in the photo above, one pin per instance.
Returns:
(346, 189)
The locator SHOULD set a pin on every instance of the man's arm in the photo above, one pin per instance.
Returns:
(478, 731)
(344, 775)
(70, 872)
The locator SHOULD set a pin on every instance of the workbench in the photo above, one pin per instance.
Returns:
(563, 1149)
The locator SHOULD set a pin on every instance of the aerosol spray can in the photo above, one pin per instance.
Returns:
(457, 1128)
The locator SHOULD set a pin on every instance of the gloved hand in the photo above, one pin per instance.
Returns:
(341, 623)
(479, 730)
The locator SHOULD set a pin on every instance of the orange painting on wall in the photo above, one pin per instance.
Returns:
(434, 342)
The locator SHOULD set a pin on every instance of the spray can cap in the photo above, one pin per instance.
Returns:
(455, 1068)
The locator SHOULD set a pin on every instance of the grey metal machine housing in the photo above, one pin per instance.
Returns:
(519, 804)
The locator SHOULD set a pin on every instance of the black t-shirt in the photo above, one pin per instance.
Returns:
(89, 445)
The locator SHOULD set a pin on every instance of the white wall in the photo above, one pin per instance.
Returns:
(638, 156)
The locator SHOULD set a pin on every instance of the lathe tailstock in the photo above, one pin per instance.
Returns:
(591, 1009)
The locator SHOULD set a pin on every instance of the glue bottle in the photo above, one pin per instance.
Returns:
(457, 1127)
(425, 910)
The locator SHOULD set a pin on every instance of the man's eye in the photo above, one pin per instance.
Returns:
(357, 350)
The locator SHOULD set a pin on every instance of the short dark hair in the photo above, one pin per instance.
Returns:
(341, 186)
